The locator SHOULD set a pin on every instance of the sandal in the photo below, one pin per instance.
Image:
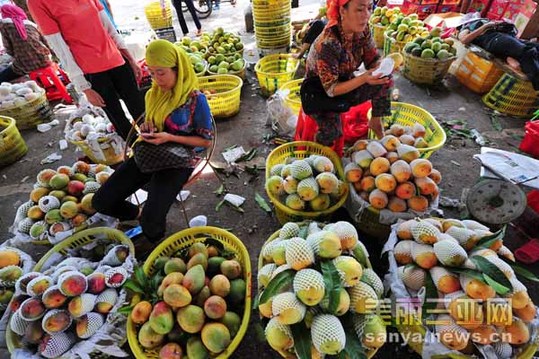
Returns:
(529, 252)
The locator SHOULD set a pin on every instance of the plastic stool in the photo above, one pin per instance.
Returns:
(512, 96)
(49, 79)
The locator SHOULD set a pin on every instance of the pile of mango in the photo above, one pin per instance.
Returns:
(61, 200)
(431, 46)
(389, 173)
(471, 279)
(196, 52)
(11, 269)
(221, 42)
(317, 293)
(69, 302)
(194, 303)
(406, 28)
(384, 16)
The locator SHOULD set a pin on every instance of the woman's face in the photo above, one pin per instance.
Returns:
(164, 77)
(355, 16)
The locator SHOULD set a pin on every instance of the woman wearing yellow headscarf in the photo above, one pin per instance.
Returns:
(175, 112)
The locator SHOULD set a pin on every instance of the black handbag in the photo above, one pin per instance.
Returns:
(314, 98)
(151, 158)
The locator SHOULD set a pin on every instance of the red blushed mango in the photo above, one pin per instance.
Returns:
(367, 184)
(405, 190)
(426, 186)
(421, 167)
(396, 204)
(418, 203)
(385, 182)
(378, 199)
(379, 165)
(436, 176)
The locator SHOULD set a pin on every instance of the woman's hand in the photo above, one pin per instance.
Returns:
(371, 79)
(156, 138)
(94, 98)
(147, 127)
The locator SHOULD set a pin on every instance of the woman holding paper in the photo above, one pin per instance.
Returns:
(337, 53)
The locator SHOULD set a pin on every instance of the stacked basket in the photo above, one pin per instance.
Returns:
(155, 17)
(12, 146)
(292, 98)
(272, 25)
(30, 113)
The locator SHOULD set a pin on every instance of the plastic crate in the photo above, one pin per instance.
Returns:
(513, 97)
(166, 33)
(225, 102)
(30, 114)
(406, 114)
(182, 240)
(274, 70)
(425, 71)
(293, 99)
(300, 150)
(12, 145)
(477, 73)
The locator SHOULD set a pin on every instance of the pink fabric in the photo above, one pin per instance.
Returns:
(18, 16)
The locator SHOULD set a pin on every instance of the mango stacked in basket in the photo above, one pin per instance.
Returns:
(67, 303)
(15, 95)
(389, 173)
(10, 271)
(224, 51)
(318, 292)
(90, 126)
(308, 184)
(192, 304)
(405, 28)
(470, 271)
(196, 52)
(61, 199)
(431, 46)
(384, 16)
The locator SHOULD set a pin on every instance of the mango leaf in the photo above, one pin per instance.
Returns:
(430, 293)
(219, 205)
(219, 191)
(262, 203)
(303, 231)
(276, 285)
(353, 348)
(493, 272)
(469, 272)
(495, 285)
(126, 309)
(332, 282)
(132, 286)
(141, 277)
(156, 281)
(302, 340)
(487, 241)
(522, 272)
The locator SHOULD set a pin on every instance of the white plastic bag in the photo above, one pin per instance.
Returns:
(283, 120)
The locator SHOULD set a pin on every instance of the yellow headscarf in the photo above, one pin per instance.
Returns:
(159, 103)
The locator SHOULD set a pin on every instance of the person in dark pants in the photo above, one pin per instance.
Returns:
(315, 28)
(93, 54)
(23, 42)
(178, 6)
(176, 112)
(499, 38)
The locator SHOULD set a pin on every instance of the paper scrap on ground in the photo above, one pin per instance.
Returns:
(51, 158)
(183, 195)
(233, 154)
(234, 199)
(198, 221)
(139, 197)
(62, 144)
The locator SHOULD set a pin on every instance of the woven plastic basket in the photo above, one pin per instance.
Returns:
(425, 71)
(513, 97)
(273, 31)
(78, 240)
(377, 31)
(293, 99)
(391, 45)
(300, 150)
(112, 156)
(280, 43)
(274, 70)
(184, 239)
(12, 145)
(406, 114)
(226, 101)
(31, 113)
(154, 15)
(478, 74)
(261, 263)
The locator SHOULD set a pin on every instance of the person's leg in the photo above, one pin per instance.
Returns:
(315, 29)
(110, 199)
(126, 87)
(178, 6)
(9, 75)
(103, 84)
(529, 63)
(194, 15)
(381, 104)
(162, 190)
(505, 45)
(329, 127)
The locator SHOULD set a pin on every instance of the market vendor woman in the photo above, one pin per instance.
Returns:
(176, 112)
(23, 42)
(336, 54)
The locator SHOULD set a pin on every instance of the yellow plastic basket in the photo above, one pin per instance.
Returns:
(226, 101)
(406, 114)
(154, 15)
(184, 239)
(274, 236)
(274, 70)
(264, 7)
(272, 32)
(513, 97)
(293, 99)
(377, 31)
(299, 150)
(425, 71)
(77, 240)
(110, 154)
(12, 145)
(478, 74)
(30, 114)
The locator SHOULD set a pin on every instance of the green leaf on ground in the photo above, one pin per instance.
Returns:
(219, 191)
(262, 202)
(219, 205)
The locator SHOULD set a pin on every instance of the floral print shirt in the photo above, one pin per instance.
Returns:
(336, 57)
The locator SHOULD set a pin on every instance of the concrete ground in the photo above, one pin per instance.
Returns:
(449, 102)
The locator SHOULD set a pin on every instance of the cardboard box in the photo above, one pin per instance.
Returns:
(497, 9)
(409, 7)
(480, 6)
(425, 10)
(448, 8)
(446, 20)
(430, 2)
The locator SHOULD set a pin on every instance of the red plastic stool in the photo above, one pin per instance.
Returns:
(49, 79)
